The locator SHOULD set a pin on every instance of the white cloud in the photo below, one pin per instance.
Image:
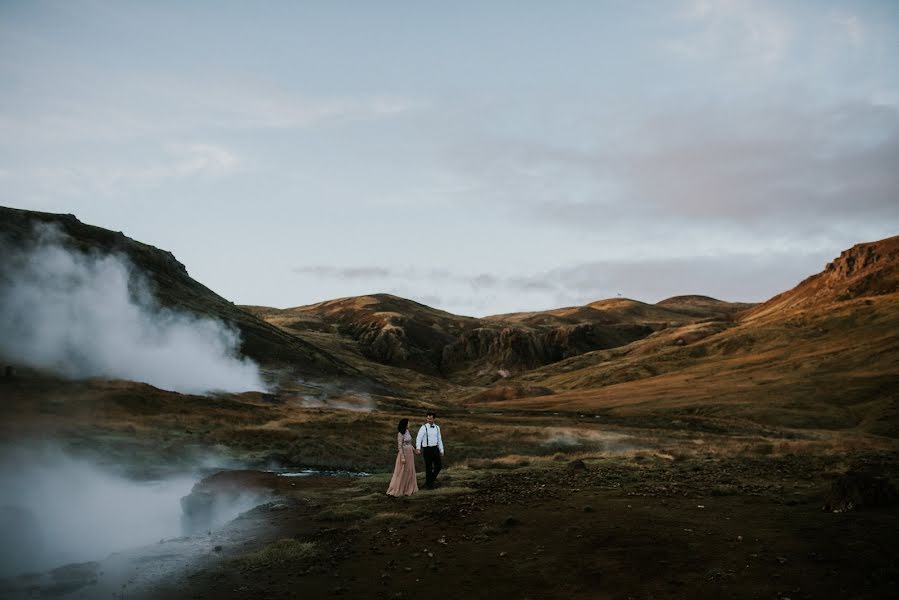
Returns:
(775, 171)
(749, 33)
(726, 276)
(117, 176)
(200, 158)
(151, 106)
(851, 26)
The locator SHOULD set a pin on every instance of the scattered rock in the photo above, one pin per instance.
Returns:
(510, 521)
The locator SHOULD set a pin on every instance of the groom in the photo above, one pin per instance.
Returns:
(430, 442)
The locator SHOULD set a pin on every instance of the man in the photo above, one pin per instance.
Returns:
(430, 442)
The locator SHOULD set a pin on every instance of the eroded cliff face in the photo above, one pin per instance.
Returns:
(403, 333)
(519, 349)
(465, 347)
(399, 342)
(865, 270)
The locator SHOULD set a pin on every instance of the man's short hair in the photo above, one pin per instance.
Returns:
(431, 413)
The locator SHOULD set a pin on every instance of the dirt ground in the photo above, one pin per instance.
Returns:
(532, 505)
(631, 528)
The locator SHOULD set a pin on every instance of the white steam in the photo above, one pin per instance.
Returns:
(57, 509)
(613, 443)
(91, 315)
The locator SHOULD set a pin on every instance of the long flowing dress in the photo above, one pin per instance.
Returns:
(403, 482)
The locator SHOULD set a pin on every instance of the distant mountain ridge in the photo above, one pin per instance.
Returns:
(403, 333)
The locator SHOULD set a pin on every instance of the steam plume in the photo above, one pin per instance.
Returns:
(88, 315)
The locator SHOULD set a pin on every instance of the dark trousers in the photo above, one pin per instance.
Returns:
(433, 464)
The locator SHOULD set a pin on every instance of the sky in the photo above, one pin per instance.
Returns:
(478, 157)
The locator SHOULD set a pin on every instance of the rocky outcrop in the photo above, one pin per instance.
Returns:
(501, 347)
(405, 342)
(519, 349)
(865, 270)
(398, 341)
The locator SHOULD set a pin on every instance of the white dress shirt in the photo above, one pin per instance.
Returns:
(429, 436)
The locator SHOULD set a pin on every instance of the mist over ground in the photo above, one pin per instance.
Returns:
(94, 315)
(56, 509)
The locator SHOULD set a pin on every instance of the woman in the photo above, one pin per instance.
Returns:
(403, 482)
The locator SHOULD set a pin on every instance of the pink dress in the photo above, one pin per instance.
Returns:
(403, 482)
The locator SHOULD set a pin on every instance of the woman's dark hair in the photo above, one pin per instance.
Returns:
(403, 425)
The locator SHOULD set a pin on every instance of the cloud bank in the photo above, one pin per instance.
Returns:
(92, 315)
(733, 277)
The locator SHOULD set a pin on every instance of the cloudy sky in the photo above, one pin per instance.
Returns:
(480, 157)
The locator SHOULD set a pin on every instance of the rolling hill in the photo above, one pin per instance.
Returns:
(824, 354)
(400, 333)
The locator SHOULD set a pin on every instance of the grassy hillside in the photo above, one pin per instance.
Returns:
(816, 356)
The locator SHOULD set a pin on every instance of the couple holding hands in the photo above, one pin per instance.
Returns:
(429, 442)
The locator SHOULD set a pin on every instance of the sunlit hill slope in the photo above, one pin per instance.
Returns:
(824, 354)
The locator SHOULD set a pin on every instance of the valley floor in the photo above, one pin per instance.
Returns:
(591, 528)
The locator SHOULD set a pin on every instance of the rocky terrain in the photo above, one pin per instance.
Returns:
(583, 528)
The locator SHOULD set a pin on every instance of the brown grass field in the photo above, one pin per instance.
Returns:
(535, 502)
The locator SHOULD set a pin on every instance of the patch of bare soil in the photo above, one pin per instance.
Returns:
(591, 528)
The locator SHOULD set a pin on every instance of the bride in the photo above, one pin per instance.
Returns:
(403, 482)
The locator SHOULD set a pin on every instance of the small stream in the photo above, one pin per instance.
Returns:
(310, 472)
